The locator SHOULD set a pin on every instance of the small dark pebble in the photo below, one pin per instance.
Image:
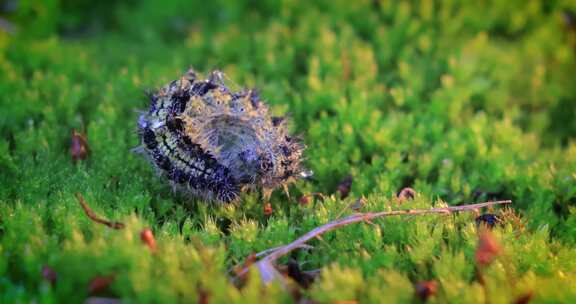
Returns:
(488, 219)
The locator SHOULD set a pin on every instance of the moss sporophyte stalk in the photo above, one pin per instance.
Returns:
(214, 143)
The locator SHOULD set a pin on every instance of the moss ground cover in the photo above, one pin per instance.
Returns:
(461, 101)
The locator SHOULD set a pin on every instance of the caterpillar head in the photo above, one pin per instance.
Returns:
(215, 143)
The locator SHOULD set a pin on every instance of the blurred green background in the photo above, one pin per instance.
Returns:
(462, 101)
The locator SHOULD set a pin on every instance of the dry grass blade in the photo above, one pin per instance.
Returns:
(91, 215)
(266, 263)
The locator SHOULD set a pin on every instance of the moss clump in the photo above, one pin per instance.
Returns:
(462, 102)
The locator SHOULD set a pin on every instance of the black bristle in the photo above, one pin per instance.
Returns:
(149, 138)
(201, 88)
(175, 125)
(255, 98)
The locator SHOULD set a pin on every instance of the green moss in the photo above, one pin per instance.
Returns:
(463, 102)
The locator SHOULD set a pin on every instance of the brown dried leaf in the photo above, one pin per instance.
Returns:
(203, 296)
(49, 274)
(488, 248)
(241, 270)
(524, 299)
(344, 186)
(406, 194)
(79, 149)
(100, 283)
(305, 199)
(268, 209)
(148, 238)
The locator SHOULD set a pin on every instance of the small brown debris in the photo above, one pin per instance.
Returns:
(100, 283)
(344, 186)
(525, 299)
(203, 296)
(79, 149)
(426, 289)
(305, 199)
(268, 209)
(488, 248)
(91, 215)
(406, 194)
(148, 238)
(49, 274)
(241, 270)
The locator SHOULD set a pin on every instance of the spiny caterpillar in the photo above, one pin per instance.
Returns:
(215, 143)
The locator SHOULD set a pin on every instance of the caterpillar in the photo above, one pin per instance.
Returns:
(214, 143)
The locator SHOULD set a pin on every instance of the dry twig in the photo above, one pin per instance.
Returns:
(90, 214)
(265, 266)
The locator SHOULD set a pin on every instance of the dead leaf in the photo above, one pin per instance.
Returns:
(148, 238)
(406, 194)
(268, 209)
(488, 248)
(100, 283)
(79, 149)
(203, 295)
(525, 299)
(241, 271)
(344, 186)
(49, 274)
(305, 199)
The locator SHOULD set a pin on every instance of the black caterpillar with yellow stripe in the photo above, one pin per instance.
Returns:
(215, 143)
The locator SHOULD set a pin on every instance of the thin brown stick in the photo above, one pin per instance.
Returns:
(264, 263)
(91, 215)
